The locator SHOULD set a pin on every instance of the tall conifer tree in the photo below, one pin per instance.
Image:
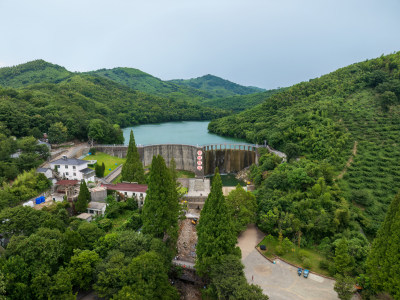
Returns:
(161, 207)
(383, 262)
(215, 231)
(83, 198)
(132, 170)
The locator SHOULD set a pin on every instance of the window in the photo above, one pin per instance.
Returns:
(66, 173)
(126, 193)
(134, 194)
(74, 167)
(57, 166)
(74, 174)
(66, 166)
(141, 194)
(91, 211)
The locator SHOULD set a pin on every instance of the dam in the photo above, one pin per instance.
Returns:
(202, 160)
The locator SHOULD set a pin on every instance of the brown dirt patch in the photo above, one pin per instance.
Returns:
(187, 241)
(350, 161)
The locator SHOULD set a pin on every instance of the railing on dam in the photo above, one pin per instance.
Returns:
(202, 160)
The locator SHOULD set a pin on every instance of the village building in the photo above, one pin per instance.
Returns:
(48, 173)
(130, 190)
(85, 216)
(73, 169)
(66, 188)
(97, 208)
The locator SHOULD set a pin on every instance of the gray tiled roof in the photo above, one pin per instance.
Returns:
(86, 170)
(69, 161)
(42, 170)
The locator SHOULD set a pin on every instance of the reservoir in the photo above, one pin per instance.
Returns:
(184, 132)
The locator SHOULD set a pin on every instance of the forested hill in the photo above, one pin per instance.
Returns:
(147, 83)
(241, 102)
(217, 86)
(350, 115)
(32, 72)
(80, 101)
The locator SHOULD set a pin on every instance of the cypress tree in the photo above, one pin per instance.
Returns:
(83, 198)
(383, 262)
(132, 170)
(343, 260)
(215, 231)
(103, 169)
(161, 207)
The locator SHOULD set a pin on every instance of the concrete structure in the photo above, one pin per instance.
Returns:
(280, 280)
(130, 190)
(98, 194)
(57, 197)
(85, 216)
(96, 208)
(198, 190)
(201, 160)
(73, 169)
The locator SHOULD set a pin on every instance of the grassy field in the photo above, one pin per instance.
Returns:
(185, 174)
(306, 258)
(111, 162)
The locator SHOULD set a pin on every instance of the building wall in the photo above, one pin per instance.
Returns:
(70, 173)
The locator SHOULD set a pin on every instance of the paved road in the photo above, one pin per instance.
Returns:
(280, 281)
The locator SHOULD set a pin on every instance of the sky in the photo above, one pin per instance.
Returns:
(264, 43)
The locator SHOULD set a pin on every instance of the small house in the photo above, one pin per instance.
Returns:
(97, 208)
(85, 216)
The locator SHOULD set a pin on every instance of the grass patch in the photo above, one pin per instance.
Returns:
(111, 162)
(117, 222)
(185, 174)
(304, 257)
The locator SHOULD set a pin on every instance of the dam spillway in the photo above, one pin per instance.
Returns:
(202, 160)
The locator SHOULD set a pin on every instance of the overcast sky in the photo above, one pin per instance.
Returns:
(265, 43)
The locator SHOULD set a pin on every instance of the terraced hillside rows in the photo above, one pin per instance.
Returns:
(323, 118)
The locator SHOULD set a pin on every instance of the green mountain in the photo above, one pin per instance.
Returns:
(217, 86)
(349, 118)
(241, 102)
(149, 84)
(32, 72)
(79, 99)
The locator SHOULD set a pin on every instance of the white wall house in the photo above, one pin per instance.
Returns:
(96, 208)
(73, 169)
(131, 190)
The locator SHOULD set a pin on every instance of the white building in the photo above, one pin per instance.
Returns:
(73, 169)
(48, 173)
(130, 190)
(96, 208)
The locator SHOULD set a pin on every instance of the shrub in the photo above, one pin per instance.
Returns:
(307, 263)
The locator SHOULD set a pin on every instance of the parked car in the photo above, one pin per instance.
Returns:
(305, 273)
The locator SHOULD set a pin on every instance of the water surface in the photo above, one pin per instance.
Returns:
(185, 132)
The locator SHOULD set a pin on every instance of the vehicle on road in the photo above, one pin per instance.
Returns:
(299, 271)
(305, 273)
(194, 221)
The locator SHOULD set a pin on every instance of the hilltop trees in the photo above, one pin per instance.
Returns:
(83, 198)
(383, 262)
(132, 170)
(161, 208)
(216, 233)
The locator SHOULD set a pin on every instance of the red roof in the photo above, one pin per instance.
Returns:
(67, 182)
(127, 187)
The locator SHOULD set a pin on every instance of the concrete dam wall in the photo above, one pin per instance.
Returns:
(229, 158)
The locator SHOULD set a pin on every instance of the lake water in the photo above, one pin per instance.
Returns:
(185, 132)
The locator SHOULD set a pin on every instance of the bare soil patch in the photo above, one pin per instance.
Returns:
(187, 241)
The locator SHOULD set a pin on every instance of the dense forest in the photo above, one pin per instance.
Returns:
(216, 86)
(349, 118)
